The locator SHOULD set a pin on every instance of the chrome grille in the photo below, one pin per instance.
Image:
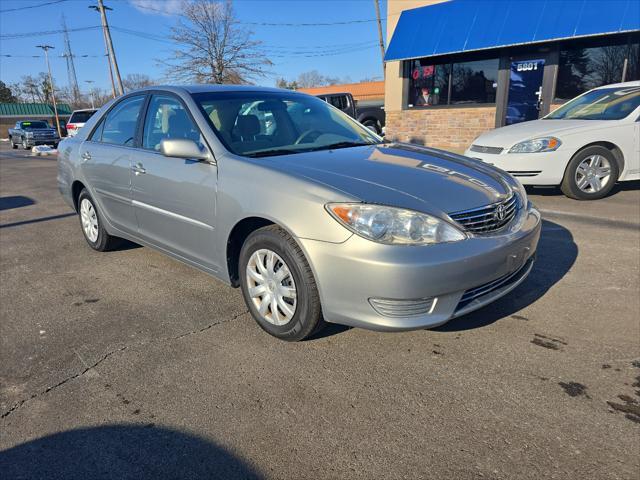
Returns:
(485, 149)
(488, 219)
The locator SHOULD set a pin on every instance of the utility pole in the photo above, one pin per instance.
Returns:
(380, 38)
(53, 95)
(93, 105)
(71, 68)
(109, 45)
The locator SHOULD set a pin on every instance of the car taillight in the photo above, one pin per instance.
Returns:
(70, 126)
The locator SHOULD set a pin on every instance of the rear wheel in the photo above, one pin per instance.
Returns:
(591, 174)
(278, 285)
(92, 227)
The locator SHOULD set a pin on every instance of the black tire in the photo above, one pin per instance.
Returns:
(24, 144)
(570, 187)
(307, 318)
(13, 145)
(104, 241)
(372, 124)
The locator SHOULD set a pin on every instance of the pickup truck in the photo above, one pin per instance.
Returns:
(368, 113)
(29, 133)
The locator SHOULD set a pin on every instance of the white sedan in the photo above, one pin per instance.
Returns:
(585, 146)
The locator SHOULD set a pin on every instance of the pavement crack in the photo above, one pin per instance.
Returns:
(20, 403)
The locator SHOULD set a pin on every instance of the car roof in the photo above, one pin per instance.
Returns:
(85, 110)
(635, 83)
(213, 88)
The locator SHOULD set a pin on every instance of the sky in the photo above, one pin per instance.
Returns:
(337, 50)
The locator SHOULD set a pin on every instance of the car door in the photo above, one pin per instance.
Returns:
(106, 160)
(174, 199)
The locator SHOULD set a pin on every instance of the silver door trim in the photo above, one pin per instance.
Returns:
(177, 216)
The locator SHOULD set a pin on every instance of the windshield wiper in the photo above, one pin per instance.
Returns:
(273, 152)
(332, 146)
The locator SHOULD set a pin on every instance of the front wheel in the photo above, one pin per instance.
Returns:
(591, 174)
(278, 285)
(372, 125)
(25, 145)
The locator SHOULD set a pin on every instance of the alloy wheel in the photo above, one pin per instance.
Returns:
(593, 174)
(271, 287)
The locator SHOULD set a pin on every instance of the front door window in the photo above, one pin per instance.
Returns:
(525, 91)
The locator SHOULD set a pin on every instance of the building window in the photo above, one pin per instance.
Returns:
(429, 84)
(474, 82)
(471, 82)
(581, 69)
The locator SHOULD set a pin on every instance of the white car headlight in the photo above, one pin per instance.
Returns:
(535, 145)
(393, 226)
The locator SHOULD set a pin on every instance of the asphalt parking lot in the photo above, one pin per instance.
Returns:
(128, 364)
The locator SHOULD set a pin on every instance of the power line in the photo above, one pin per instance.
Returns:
(17, 9)
(9, 55)
(9, 36)
(282, 50)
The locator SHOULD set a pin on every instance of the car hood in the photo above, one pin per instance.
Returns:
(402, 175)
(508, 136)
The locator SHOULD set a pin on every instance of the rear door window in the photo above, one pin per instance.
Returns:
(119, 126)
(81, 117)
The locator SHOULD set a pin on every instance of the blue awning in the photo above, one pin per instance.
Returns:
(467, 25)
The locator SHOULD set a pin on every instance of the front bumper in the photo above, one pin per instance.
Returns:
(546, 168)
(32, 142)
(350, 274)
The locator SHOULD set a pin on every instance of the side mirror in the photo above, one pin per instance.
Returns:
(183, 148)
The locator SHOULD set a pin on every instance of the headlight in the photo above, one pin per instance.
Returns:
(29, 134)
(391, 226)
(543, 144)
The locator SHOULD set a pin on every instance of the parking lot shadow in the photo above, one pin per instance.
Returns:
(557, 252)
(122, 451)
(15, 201)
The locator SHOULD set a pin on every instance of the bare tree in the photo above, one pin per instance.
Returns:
(310, 79)
(33, 89)
(313, 78)
(214, 48)
(133, 81)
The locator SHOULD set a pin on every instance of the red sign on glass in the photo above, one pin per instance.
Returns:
(424, 72)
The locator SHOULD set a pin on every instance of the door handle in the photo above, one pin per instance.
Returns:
(86, 156)
(138, 169)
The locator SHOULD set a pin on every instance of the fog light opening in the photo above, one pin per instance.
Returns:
(389, 307)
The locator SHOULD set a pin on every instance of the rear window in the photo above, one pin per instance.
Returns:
(34, 125)
(81, 117)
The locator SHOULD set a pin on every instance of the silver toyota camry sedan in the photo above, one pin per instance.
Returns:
(312, 215)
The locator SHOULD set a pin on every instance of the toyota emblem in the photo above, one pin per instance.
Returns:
(500, 212)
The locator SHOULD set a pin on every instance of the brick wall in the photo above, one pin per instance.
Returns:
(447, 128)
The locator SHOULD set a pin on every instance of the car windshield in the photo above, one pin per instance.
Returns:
(263, 124)
(81, 117)
(601, 104)
(34, 125)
